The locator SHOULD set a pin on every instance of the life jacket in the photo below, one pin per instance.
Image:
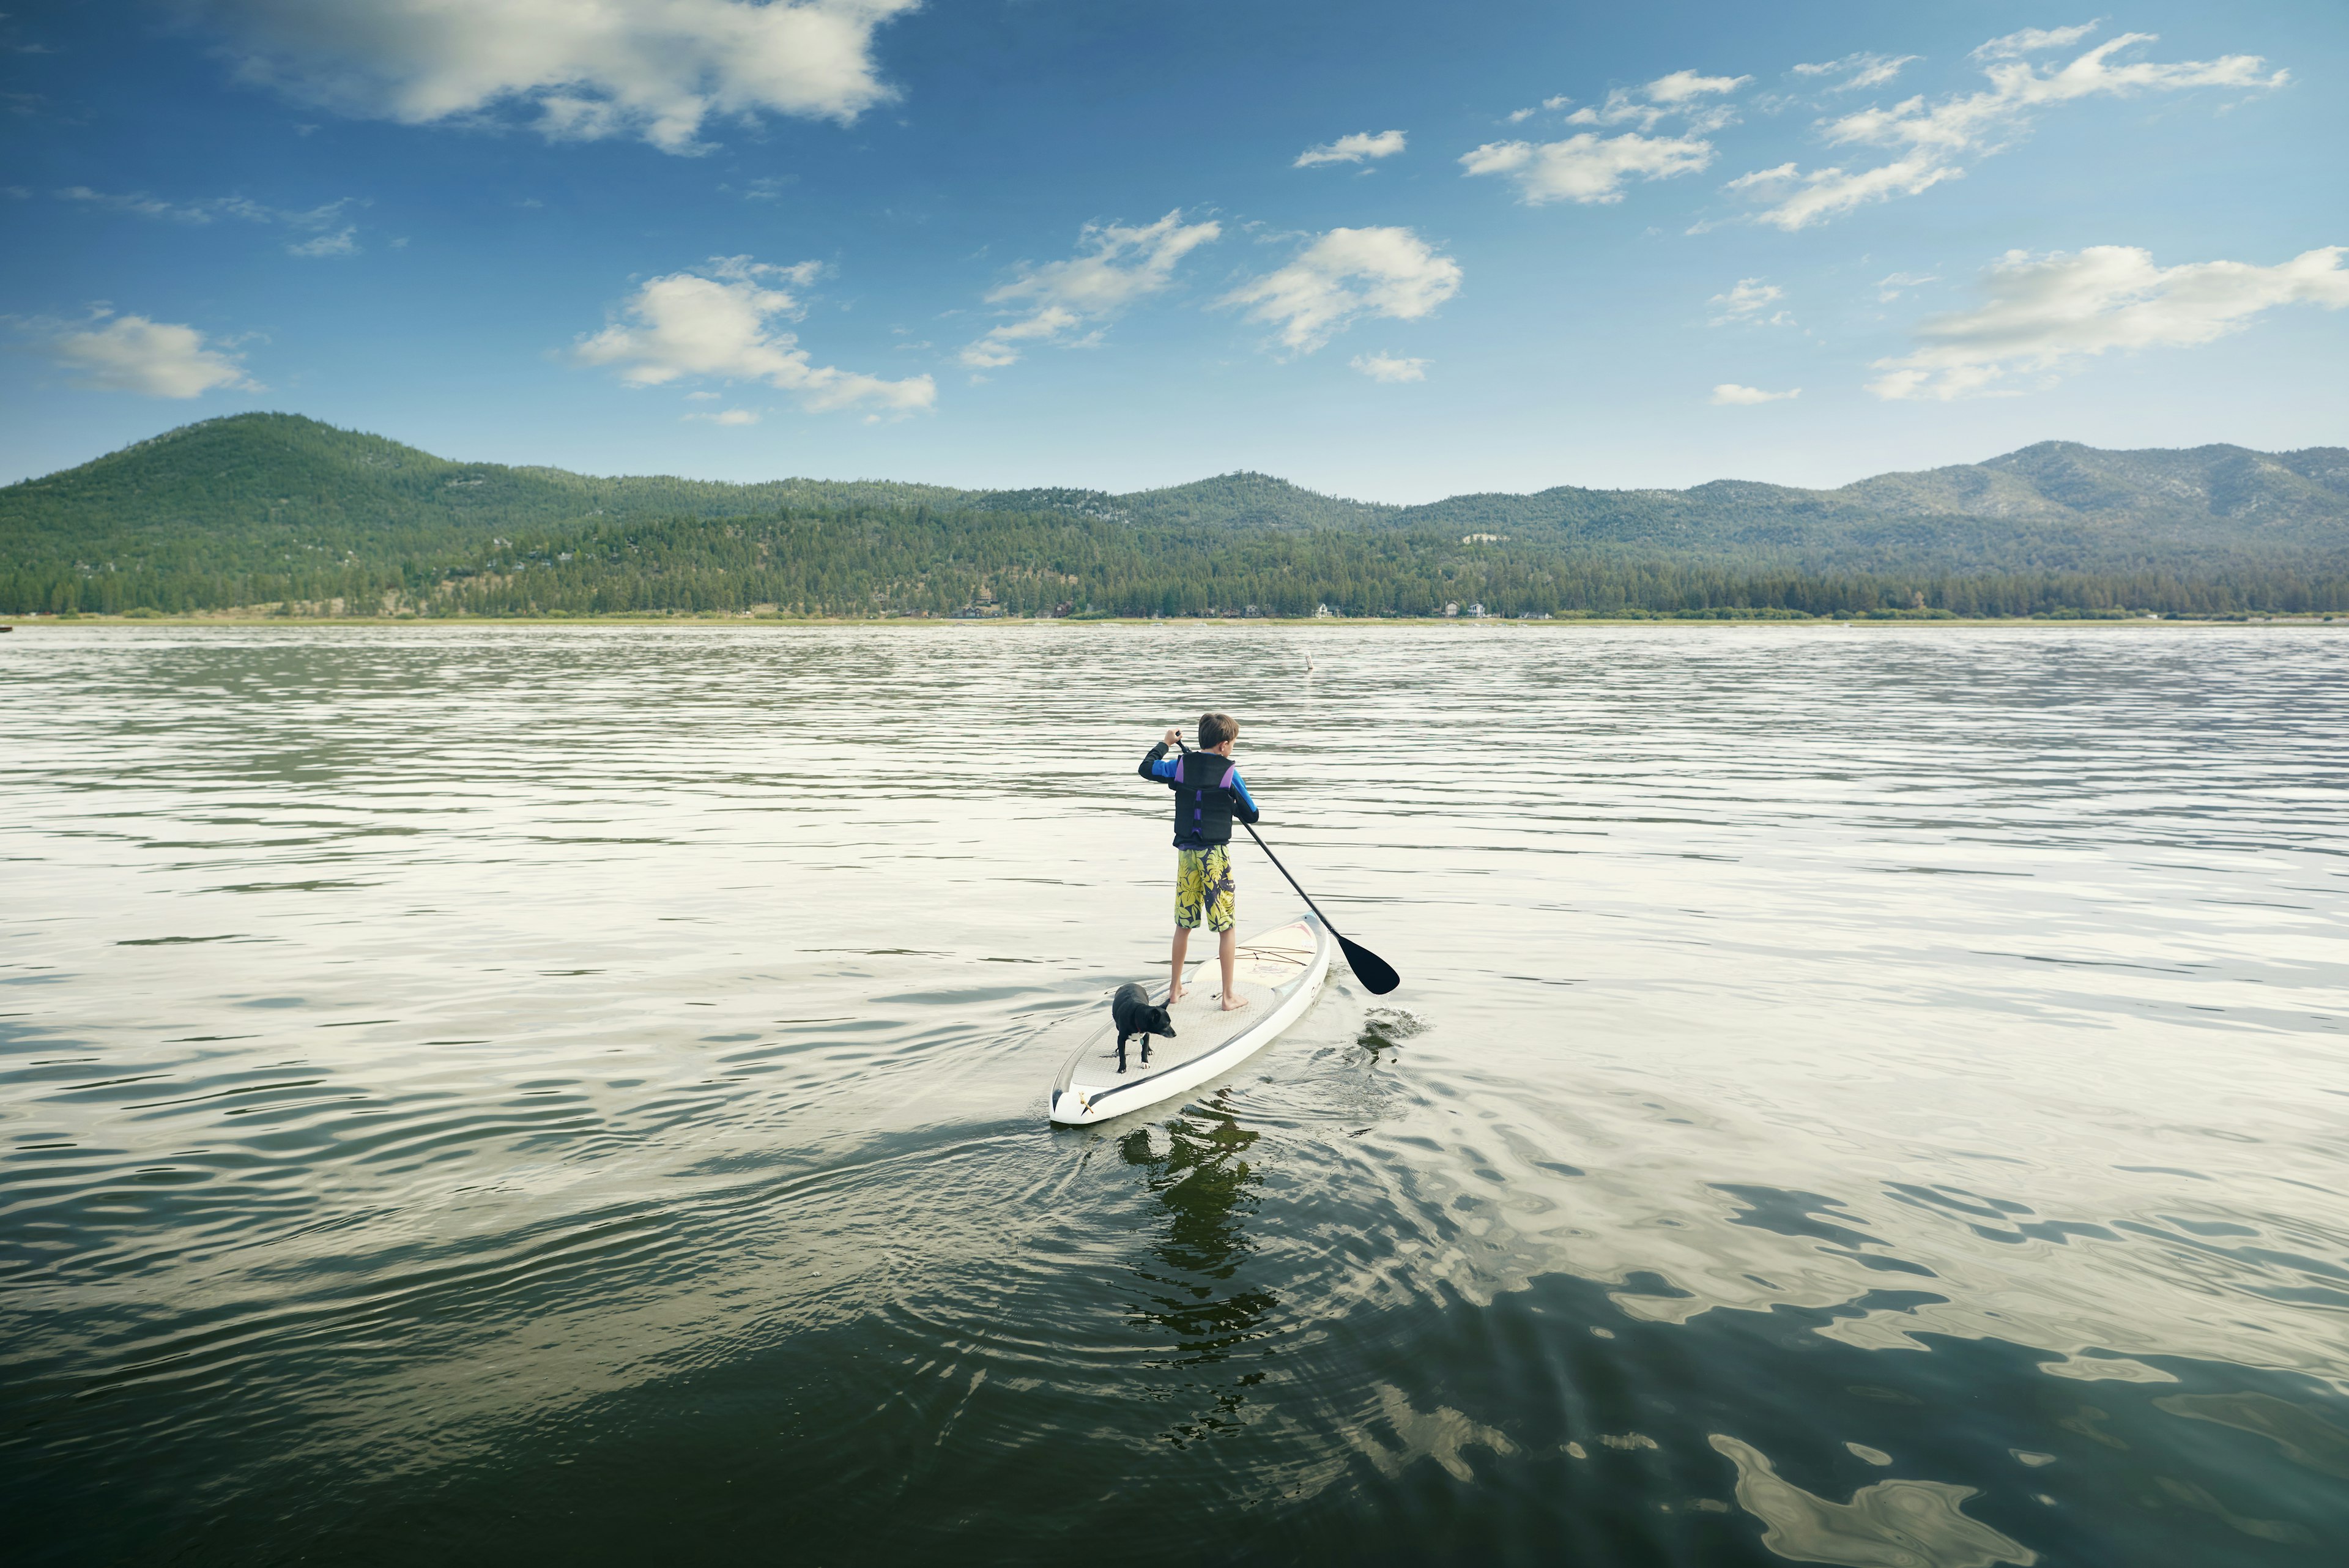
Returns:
(1203, 800)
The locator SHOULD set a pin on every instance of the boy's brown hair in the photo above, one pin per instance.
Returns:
(1215, 729)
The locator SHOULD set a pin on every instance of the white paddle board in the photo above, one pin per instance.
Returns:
(1280, 972)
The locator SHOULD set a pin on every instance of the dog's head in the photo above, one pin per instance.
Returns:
(1154, 1020)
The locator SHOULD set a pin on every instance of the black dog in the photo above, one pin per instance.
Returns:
(1132, 1013)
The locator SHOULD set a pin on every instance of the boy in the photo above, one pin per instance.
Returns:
(1208, 795)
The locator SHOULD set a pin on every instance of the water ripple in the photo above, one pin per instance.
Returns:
(494, 1092)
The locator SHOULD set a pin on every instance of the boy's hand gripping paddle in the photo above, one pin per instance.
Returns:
(1377, 975)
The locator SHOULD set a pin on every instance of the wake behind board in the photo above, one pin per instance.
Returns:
(1280, 972)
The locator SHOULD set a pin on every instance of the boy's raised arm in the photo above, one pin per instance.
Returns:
(1155, 765)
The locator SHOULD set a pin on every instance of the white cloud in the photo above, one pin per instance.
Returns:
(1858, 70)
(1519, 116)
(1000, 345)
(2033, 40)
(719, 323)
(1586, 168)
(339, 243)
(1681, 86)
(1115, 265)
(133, 354)
(1344, 274)
(1388, 368)
(727, 417)
(198, 213)
(1763, 177)
(1933, 140)
(1890, 286)
(1648, 106)
(1731, 395)
(654, 69)
(2046, 311)
(1352, 148)
(143, 205)
(1746, 301)
(1593, 168)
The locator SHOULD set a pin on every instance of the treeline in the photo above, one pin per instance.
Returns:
(868, 561)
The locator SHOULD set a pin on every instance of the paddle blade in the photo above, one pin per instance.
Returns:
(1377, 975)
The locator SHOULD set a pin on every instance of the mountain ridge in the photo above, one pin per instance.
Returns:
(2048, 481)
(261, 508)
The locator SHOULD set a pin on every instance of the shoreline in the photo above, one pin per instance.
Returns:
(755, 623)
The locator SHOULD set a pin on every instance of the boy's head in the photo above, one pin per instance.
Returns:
(1215, 729)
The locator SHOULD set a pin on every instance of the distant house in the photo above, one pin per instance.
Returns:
(1323, 611)
(1478, 610)
(1451, 610)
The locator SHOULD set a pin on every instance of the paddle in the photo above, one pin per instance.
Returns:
(1377, 975)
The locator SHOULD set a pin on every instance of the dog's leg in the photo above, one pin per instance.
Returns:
(1121, 1053)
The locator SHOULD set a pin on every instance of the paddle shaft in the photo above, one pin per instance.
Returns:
(1276, 865)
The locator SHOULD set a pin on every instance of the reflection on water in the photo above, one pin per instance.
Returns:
(1890, 1524)
(2303, 1437)
(1443, 1434)
(1192, 1292)
(493, 1094)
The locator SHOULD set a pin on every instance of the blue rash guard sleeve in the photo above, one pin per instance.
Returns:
(1243, 804)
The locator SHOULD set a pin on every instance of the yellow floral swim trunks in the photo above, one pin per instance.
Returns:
(1203, 885)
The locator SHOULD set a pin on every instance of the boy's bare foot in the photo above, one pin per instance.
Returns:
(1234, 1003)
(1173, 996)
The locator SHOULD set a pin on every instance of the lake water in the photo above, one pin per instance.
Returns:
(511, 1094)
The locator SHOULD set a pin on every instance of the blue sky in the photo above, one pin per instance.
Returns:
(1394, 252)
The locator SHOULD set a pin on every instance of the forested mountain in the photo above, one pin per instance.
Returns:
(2260, 496)
(274, 508)
(223, 476)
(2054, 506)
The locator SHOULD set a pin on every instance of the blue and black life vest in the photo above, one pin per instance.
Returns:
(1203, 800)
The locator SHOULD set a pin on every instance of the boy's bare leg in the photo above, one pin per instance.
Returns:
(1229, 953)
(1182, 946)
